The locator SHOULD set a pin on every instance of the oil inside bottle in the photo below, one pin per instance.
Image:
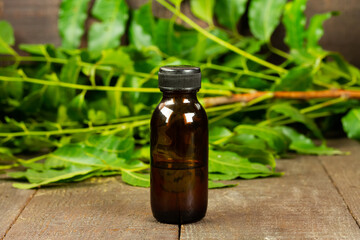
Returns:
(179, 195)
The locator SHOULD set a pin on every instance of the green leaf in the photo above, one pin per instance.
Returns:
(304, 145)
(231, 163)
(222, 177)
(248, 140)
(32, 102)
(122, 146)
(351, 123)
(117, 58)
(203, 9)
(7, 33)
(72, 16)
(37, 179)
(294, 20)
(136, 179)
(228, 12)
(6, 38)
(165, 38)
(35, 49)
(274, 139)
(218, 132)
(212, 185)
(264, 16)
(252, 153)
(77, 109)
(142, 27)
(106, 34)
(294, 114)
(203, 48)
(297, 79)
(69, 74)
(315, 30)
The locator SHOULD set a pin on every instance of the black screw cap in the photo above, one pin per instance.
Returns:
(179, 77)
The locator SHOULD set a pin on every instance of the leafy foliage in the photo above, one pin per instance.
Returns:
(72, 16)
(89, 109)
(264, 16)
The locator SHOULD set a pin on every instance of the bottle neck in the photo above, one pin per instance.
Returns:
(179, 93)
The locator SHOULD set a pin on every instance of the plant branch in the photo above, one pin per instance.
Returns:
(246, 97)
(219, 40)
(75, 130)
(239, 71)
(101, 88)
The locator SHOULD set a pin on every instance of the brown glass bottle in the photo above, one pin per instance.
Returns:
(179, 148)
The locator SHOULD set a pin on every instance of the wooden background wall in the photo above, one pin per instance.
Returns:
(35, 21)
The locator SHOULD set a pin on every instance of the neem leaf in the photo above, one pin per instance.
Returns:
(122, 146)
(228, 12)
(203, 9)
(296, 79)
(39, 178)
(274, 139)
(252, 153)
(165, 38)
(315, 30)
(351, 123)
(69, 74)
(302, 144)
(294, 114)
(231, 163)
(81, 155)
(136, 179)
(77, 109)
(248, 140)
(106, 34)
(221, 176)
(294, 20)
(218, 132)
(264, 16)
(72, 16)
(7, 32)
(142, 27)
(212, 185)
(6, 38)
(117, 58)
(36, 49)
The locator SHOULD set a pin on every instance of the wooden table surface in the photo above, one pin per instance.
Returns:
(317, 198)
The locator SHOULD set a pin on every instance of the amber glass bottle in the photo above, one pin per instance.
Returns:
(179, 148)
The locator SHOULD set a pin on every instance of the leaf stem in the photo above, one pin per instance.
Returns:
(101, 88)
(219, 40)
(76, 130)
(238, 71)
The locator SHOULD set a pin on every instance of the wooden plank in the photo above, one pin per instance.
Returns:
(303, 204)
(344, 171)
(102, 208)
(33, 21)
(12, 202)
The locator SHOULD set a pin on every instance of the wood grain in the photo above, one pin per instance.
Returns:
(303, 204)
(12, 202)
(102, 208)
(345, 174)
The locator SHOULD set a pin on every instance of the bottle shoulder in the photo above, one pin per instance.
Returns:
(188, 111)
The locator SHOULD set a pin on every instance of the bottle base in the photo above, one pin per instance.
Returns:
(178, 218)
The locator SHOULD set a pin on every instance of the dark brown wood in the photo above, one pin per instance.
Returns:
(345, 174)
(303, 204)
(33, 21)
(102, 208)
(341, 33)
(12, 203)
